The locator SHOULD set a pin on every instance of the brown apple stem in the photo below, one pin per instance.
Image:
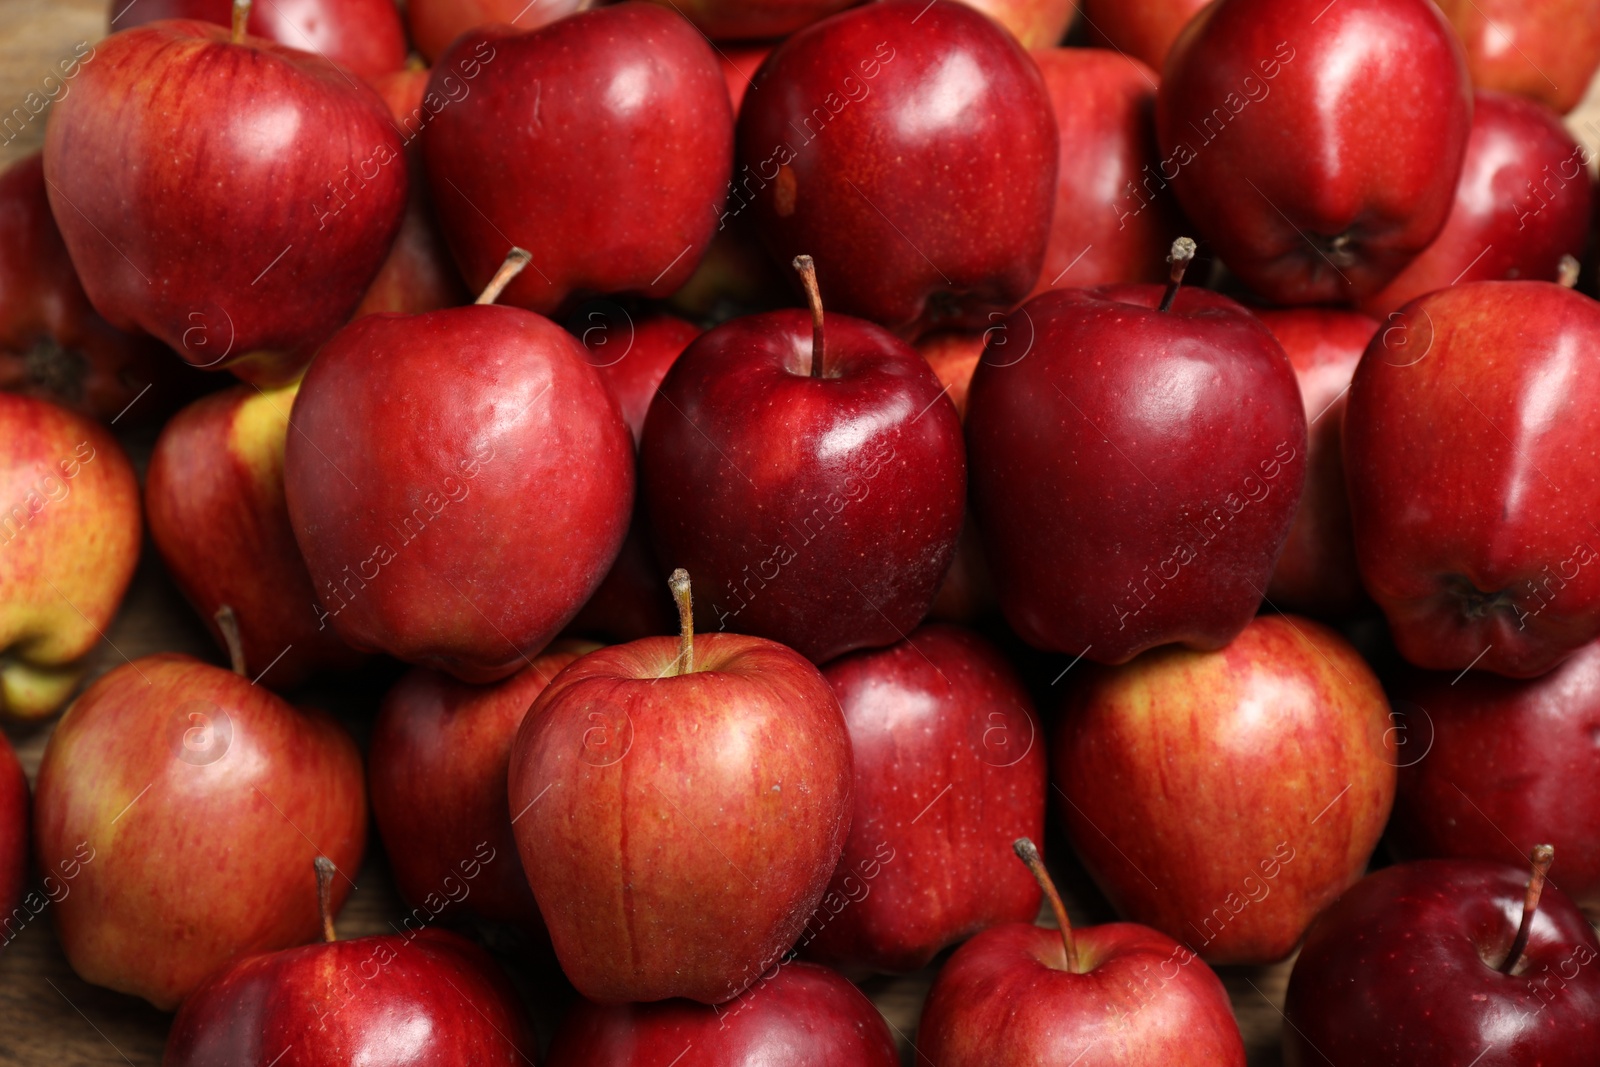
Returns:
(241, 15)
(1542, 856)
(325, 873)
(1567, 271)
(1029, 855)
(679, 584)
(516, 259)
(1182, 252)
(808, 279)
(228, 623)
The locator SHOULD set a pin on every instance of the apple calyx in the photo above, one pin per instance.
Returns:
(1183, 250)
(1541, 857)
(515, 260)
(679, 584)
(241, 15)
(808, 279)
(1567, 271)
(1028, 853)
(228, 623)
(325, 873)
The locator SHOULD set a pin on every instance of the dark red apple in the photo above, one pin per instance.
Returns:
(1143, 29)
(459, 483)
(215, 501)
(436, 769)
(1225, 798)
(680, 805)
(176, 140)
(1314, 163)
(1019, 995)
(1438, 962)
(363, 36)
(1316, 573)
(1548, 49)
(200, 800)
(615, 183)
(423, 996)
(814, 487)
(1114, 216)
(911, 149)
(1501, 765)
(1524, 200)
(1135, 466)
(13, 838)
(1473, 477)
(798, 1015)
(53, 345)
(949, 771)
(435, 24)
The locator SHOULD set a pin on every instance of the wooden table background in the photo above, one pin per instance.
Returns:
(48, 1015)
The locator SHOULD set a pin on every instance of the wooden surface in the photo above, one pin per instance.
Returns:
(49, 1016)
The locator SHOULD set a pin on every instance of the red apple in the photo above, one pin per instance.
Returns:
(419, 274)
(1135, 466)
(1114, 219)
(1434, 962)
(1316, 574)
(911, 149)
(1524, 200)
(201, 800)
(435, 24)
(1316, 164)
(1501, 765)
(363, 36)
(436, 769)
(1473, 477)
(175, 141)
(680, 806)
(1225, 798)
(949, 771)
(749, 20)
(13, 838)
(614, 183)
(459, 483)
(1100, 996)
(69, 540)
(1548, 49)
(1142, 29)
(218, 516)
(801, 1014)
(53, 345)
(815, 488)
(423, 996)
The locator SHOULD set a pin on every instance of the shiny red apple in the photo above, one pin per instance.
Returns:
(1316, 573)
(811, 476)
(1546, 49)
(911, 149)
(1225, 798)
(680, 805)
(600, 143)
(949, 771)
(1524, 200)
(1473, 477)
(1315, 162)
(202, 801)
(176, 140)
(1135, 466)
(436, 770)
(1143, 29)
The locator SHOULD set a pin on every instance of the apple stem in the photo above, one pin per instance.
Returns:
(1029, 855)
(808, 279)
(515, 260)
(228, 623)
(679, 584)
(1567, 271)
(241, 15)
(1542, 857)
(325, 873)
(1182, 252)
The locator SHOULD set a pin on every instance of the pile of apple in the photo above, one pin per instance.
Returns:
(862, 387)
